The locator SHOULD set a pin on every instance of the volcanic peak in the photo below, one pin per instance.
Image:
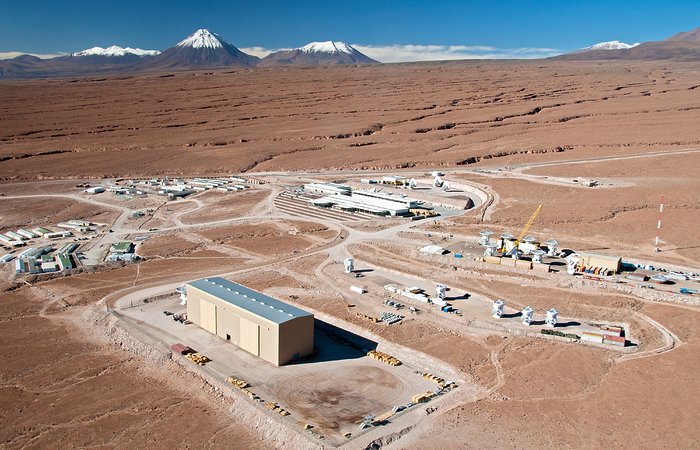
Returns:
(202, 38)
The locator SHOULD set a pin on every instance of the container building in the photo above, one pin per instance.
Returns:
(594, 260)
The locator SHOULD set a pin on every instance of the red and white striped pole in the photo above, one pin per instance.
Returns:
(658, 225)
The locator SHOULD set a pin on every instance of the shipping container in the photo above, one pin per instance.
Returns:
(612, 330)
(592, 337)
(181, 349)
(614, 340)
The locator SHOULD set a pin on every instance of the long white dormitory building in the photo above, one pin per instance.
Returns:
(343, 197)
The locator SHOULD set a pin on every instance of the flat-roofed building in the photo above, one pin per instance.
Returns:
(266, 327)
(378, 203)
(397, 205)
(594, 260)
(328, 188)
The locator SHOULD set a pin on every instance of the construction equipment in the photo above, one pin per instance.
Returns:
(366, 317)
(687, 291)
(390, 318)
(240, 384)
(527, 226)
(424, 397)
(434, 378)
(274, 406)
(423, 212)
(383, 357)
(197, 358)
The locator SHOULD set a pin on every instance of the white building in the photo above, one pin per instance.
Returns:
(378, 203)
(396, 205)
(328, 188)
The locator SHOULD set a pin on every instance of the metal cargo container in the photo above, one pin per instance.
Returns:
(614, 340)
(592, 337)
(357, 289)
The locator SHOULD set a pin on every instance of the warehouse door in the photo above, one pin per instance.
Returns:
(207, 316)
(250, 336)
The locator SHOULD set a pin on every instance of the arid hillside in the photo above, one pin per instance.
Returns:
(399, 115)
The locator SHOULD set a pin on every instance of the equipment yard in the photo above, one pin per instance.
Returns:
(332, 391)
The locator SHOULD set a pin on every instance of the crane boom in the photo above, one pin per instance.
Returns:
(528, 224)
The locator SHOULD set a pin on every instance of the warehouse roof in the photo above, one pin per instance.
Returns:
(250, 300)
(599, 256)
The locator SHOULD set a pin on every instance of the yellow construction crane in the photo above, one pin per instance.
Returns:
(528, 225)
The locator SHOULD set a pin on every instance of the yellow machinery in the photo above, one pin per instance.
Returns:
(384, 357)
(527, 226)
(197, 358)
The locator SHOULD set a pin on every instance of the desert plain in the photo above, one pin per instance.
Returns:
(76, 373)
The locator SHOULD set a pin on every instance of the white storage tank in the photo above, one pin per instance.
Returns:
(527, 315)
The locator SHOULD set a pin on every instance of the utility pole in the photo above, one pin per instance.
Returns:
(658, 224)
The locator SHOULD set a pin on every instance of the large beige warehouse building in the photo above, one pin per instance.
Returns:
(275, 331)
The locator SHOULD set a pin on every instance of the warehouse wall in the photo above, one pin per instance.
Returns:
(193, 306)
(228, 324)
(269, 343)
(296, 337)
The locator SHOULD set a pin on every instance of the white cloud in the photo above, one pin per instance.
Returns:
(10, 55)
(260, 52)
(414, 52)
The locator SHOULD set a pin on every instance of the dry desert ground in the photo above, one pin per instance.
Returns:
(86, 363)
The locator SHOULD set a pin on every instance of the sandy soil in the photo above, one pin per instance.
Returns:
(62, 388)
(382, 116)
(270, 238)
(47, 211)
(218, 205)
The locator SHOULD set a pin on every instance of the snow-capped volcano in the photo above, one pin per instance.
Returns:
(115, 50)
(202, 38)
(328, 47)
(203, 49)
(318, 54)
(611, 45)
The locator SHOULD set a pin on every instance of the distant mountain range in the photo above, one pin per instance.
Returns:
(202, 49)
(681, 47)
(317, 54)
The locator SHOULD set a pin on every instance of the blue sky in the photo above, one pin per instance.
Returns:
(493, 28)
